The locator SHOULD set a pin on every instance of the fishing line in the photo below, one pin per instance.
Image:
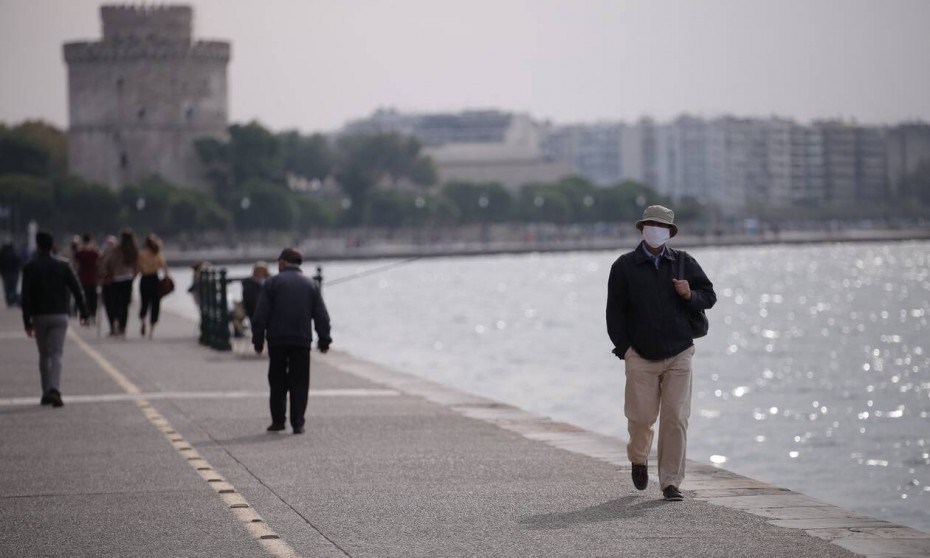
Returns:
(368, 272)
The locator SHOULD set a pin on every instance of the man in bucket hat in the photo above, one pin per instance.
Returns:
(648, 305)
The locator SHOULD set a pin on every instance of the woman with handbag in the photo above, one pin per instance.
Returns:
(151, 260)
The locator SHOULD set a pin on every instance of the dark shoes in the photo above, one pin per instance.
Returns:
(275, 427)
(54, 398)
(640, 476)
(672, 494)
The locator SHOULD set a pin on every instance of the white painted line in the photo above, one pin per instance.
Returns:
(235, 502)
(154, 396)
(15, 335)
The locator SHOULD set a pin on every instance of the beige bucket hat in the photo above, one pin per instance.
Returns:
(658, 214)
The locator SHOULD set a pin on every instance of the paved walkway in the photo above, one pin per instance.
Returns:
(161, 450)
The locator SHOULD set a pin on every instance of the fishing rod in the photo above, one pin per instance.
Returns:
(374, 271)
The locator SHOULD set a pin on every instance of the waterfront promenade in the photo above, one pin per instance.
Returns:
(161, 450)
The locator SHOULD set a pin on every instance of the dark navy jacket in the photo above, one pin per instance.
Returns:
(643, 309)
(288, 303)
(46, 281)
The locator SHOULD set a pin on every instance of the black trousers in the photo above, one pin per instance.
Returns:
(106, 293)
(90, 297)
(288, 372)
(122, 297)
(150, 293)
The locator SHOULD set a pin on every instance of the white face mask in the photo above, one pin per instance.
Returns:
(656, 236)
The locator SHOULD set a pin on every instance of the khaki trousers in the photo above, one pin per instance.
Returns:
(654, 387)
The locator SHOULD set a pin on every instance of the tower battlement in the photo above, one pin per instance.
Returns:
(103, 52)
(149, 24)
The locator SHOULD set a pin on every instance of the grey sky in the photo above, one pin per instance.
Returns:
(313, 64)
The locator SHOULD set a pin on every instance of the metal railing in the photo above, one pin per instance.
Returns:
(215, 321)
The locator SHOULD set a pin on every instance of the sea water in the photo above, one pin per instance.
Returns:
(815, 375)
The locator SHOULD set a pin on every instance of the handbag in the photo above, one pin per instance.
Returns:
(165, 285)
(697, 319)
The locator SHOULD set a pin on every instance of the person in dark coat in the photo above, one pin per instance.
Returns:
(88, 258)
(252, 288)
(47, 281)
(648, 306)
(10, 266)
(289, 304)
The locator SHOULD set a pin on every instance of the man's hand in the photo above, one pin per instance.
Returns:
(30, 332)
(682, 288)
(258, 349)
(84, 322)
(324, 350)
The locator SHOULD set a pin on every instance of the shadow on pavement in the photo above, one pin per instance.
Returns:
(621, 508)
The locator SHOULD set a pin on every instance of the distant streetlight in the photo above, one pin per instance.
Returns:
(245, 203)
(346, 203)
(140, 204)
(420, 202)
(484, 202)
(588, 201)
(640, 200)
(539, 201)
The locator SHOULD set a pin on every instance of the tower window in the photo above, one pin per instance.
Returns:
(119, 83)
(189, 113)
(141, 113)
(123, 160)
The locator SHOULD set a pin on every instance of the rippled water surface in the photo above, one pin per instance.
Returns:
(815, 375)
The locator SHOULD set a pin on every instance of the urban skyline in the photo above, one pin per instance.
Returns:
(313, 66)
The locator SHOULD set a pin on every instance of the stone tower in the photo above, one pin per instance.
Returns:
(139, 98)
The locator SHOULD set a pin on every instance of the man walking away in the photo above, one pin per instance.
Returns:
(288, 303)
(47, 279)
(648, 306)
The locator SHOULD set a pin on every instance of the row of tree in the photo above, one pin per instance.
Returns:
(382, 180)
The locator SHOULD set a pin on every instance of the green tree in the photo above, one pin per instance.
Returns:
(254, 153)
(624, 201)
(363, 162)
(487, 202)
(581, 196)
(52, 140)
(312, 213)
(258, 205)
(28, 197)
(306, 156)
(251, 153)
(86, 206)
(22, 155)
(544, 203)
(156, 205)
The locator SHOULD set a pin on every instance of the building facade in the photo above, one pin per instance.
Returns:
(139, 98)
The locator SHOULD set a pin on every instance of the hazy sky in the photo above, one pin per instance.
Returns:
(314, 64)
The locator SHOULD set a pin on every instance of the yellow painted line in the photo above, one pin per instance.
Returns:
(235, 502)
